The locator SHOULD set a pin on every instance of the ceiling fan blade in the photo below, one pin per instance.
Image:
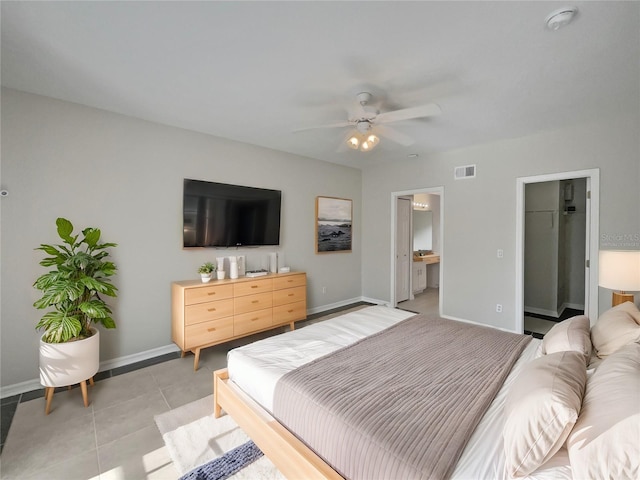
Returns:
(394, 135)
(331, 125)
(428, 110)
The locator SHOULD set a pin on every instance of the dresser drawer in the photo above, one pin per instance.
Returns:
(251, 303)
(252, 321)
(208, 332)
(207, 294)
(253, 286)
(289, 313)
(202, 312)
(289, 281)
(289, 295)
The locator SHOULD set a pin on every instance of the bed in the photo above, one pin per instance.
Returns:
(250, 390)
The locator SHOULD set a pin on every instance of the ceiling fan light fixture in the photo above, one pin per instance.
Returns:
(560, 18)
(362, 143)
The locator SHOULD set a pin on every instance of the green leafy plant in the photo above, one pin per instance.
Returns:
(207, 268)
(73, 288)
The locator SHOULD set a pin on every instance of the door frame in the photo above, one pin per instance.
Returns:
(591, 237)
(394, 227)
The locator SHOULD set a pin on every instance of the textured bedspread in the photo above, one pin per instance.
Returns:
(401, 403)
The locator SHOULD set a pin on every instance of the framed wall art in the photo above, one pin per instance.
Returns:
(333, 224)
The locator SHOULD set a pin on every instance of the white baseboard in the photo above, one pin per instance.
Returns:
(573, 306)
(34, 384)
(541, 311)
(343, 303)
(375, 301)
(18, 388)
(138, 357)
(464, 320)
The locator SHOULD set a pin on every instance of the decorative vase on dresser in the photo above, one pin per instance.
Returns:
(204, 315)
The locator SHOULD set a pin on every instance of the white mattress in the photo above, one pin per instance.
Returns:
(257, 367)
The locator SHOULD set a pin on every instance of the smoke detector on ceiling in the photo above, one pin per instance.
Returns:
(561, 17)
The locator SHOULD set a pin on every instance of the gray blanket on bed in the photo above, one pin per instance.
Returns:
(399, 404)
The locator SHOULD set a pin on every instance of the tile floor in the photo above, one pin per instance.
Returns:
(425, 302)
(539, 325)
(116, 436)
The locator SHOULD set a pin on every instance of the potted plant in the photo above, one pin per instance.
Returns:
(206, 270)
(72, 290)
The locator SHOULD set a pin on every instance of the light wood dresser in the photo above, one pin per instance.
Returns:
(206, 314)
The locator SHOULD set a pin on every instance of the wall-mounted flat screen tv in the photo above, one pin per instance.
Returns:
(223, 215)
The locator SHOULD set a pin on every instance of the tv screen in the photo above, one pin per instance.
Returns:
(222, 215)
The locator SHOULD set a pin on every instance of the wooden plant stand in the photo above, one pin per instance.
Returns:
(49, 391)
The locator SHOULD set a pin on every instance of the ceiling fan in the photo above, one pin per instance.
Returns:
(370, 124)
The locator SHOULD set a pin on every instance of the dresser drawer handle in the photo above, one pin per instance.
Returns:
(289, 311)
(255, 301)
(254, 286)
(255, 319)
(211, 329)
(291, 294)
(211, 310)
(211, 293)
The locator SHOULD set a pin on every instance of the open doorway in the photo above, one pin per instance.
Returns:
(556, 249)
(417, 252)
(554, 253)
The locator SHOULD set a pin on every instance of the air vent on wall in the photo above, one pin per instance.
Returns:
(468, 171)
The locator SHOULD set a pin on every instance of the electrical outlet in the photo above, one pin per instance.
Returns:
(498, 308)
(324, 290)
(500, 253)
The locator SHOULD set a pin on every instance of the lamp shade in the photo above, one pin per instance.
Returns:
(620, 270)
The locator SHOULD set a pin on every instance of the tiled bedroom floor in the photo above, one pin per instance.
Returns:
(424, 302)
(116, 436)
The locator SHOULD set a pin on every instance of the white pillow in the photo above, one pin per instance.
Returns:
(605, 442)
(541, 408)
(616, 328)
(569, 335)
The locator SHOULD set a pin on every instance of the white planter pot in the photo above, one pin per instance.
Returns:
(63, 364)
(205, 277)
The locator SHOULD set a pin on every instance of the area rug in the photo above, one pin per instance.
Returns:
(195, 439)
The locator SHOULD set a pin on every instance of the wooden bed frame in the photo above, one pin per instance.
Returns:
(292, 457)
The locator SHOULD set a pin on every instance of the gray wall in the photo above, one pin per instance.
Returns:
(480, 213)
(124, 176)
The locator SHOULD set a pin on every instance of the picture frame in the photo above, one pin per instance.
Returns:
(334, 223)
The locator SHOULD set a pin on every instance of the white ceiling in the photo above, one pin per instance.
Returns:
(256, 71)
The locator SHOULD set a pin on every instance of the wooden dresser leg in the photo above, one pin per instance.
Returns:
(182, 353)
(196, 360)
(48, 396)
(85, 396)
(91, 382)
